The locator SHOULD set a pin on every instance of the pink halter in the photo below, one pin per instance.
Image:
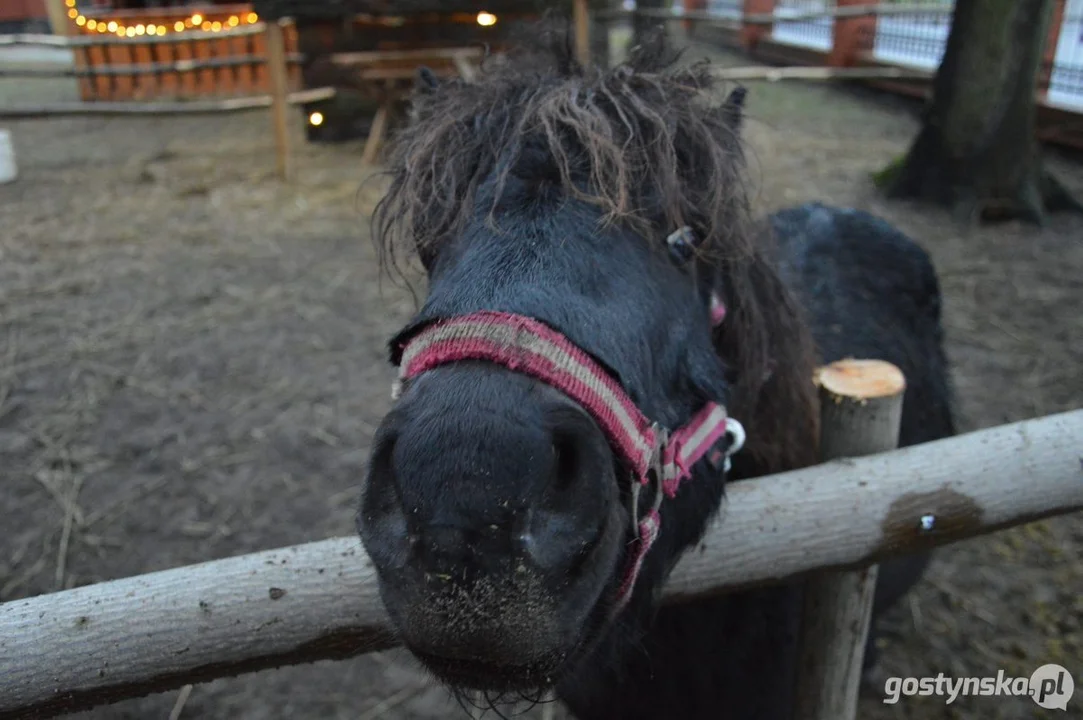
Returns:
(655, 457)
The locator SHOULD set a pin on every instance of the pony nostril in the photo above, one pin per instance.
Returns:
(380, 493)
(382, 521)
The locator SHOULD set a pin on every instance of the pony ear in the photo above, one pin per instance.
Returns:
(733, 108)
(426, 82)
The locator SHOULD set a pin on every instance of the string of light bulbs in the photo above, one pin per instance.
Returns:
(196, 21)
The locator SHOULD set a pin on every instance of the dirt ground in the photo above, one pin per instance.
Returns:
(192, 365)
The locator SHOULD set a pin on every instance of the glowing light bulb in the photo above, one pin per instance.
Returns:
(73, 13)
(486, 19)
(91, 24)
(315, 119)
(130, 32)
(205, 26)
(80, 21)
(112, 26)
(70, 3)
(197, 19)
(234, 21)
(140, 30)
(178, 26)
(216, 26)
(251, 18)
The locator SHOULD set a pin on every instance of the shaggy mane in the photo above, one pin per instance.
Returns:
(644, 144)
(636, 140)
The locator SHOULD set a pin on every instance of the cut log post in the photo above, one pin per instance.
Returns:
(861, 405)
(860, 412)
(92, 645)
(279, 74)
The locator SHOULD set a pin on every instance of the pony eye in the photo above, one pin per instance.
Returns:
(682, 245)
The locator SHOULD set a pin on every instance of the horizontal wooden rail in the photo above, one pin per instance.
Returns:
(753, 72)
(102, 643)
(775, 74)
(53, 41)
(843, 12)
(373, 56)
(145, 68)
(172, 38)
(194, 107)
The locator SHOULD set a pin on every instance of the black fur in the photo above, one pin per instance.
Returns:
(494, 510)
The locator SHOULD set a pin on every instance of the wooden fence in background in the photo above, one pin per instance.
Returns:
(177, 53)
(910, 36)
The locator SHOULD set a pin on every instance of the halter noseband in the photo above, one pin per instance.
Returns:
(658, 459)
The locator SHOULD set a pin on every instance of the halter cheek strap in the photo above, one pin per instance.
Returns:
(658, 461)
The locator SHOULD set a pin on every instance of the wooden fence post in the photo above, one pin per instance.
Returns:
(851, 37)
(752, 34)
(58, 18)
(279, 74)
(582, 32)
(689, 26)
(860, 413)
(64, 26)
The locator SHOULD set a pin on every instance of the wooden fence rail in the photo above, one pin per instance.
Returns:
(843, 12)
(80, 41)
(102, 643)
(191, 107)
(156, 68)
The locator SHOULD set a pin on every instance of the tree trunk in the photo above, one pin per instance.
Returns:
(977, 151)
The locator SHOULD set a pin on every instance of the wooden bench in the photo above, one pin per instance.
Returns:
(388, 76)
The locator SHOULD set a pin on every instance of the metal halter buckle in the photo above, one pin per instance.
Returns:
(655, 469)
(736, 432)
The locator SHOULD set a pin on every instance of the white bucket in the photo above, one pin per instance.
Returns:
(8, 169)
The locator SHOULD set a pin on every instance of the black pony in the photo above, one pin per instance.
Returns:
(604, 214)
